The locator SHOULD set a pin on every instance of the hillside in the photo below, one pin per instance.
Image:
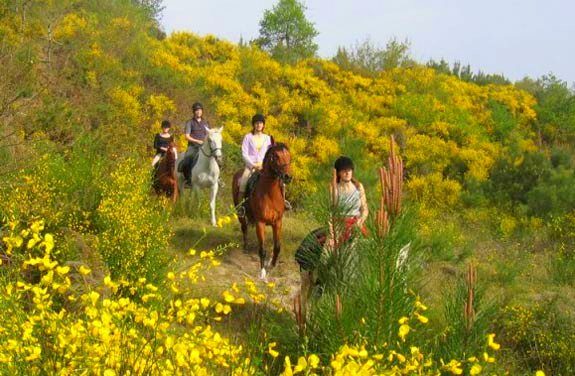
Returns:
(488, 182)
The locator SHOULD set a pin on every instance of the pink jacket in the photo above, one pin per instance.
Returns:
(250, 153)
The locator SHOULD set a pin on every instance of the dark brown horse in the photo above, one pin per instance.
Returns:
(265, 204)
(165, 181)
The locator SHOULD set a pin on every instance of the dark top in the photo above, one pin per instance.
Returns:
(162, 142)
(196, 129)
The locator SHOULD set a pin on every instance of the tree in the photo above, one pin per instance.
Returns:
(286, 33)
(368, 59)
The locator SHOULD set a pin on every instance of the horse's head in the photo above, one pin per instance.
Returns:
(278, 162)
(171, 152)
(214, 140)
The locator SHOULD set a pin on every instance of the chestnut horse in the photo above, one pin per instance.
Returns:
(265, 204)
(165, 180)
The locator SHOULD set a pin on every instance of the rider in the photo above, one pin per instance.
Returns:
(350, 198)
(162, 142)
(195, 131)
(254, 148)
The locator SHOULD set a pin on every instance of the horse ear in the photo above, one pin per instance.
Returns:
(221, 129)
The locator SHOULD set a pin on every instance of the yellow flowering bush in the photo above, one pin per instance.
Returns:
(51, 327)
(133, 229)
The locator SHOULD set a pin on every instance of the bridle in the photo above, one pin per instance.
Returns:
(213, 148)
(277, 169)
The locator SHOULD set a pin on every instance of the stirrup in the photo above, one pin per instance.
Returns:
(287, 205)
(241, 211)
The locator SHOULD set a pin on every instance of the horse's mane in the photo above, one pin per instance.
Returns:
(170, 157)
(274, 148)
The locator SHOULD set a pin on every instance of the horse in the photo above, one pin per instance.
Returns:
(265, 204)
(206, 172)
(165, 180)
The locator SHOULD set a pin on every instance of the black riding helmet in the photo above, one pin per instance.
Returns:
(197, 106)
(258, 117)
(343, 163)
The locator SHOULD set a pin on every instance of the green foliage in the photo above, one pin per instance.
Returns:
(513, 178)
(368, 59)
(542, 336)
(363, 273)
(465, 73)
(464, 335)
(286, 33)
(555, 108)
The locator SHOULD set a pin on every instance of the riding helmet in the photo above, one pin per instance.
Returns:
(258, 117)
(197, 106)
(343, 163)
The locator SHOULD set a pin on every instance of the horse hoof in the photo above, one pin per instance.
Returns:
(263, 275)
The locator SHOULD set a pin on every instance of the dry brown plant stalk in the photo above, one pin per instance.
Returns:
(391, 180)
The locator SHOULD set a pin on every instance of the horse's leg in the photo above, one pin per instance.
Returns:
(244, 226)
(213, 202)
(277, 231)
(260, 232)
(175, 192)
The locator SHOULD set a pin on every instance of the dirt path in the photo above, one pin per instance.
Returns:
(236, 265)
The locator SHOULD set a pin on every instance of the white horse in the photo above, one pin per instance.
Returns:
(206, 171)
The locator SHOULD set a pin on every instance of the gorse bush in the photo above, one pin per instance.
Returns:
(51, 327)
(542, 335)
(133, 231)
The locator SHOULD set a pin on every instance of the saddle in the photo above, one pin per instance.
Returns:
(187, 163)
(243, 209)
(251, 184)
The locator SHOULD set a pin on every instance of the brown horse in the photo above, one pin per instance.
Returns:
(265, 204)
(165, 181)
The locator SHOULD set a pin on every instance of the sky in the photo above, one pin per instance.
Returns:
(510, 37)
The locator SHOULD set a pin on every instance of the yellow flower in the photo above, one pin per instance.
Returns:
(84, 270)
(301, 365)
(228, 297)
(403, 320)
(539, 373)
(475, 369)
(62, 270)
(454, 367)
(287, 367)
(421, 318)
(313, 361)
(271, 350)
(420, 305)
(491, 343)
(403, 331)
(488, 358)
